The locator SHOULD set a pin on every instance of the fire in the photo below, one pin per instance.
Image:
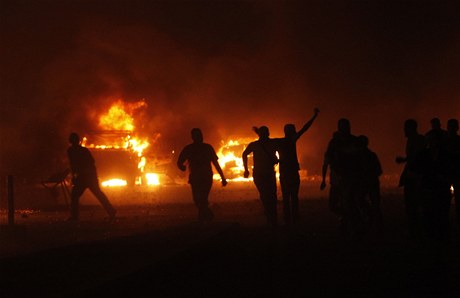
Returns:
(152, 179)
(119, 116)
(137, 145)
(114, 182)
(230, 159)
(117, 134)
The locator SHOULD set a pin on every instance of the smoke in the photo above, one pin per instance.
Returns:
(224, 67)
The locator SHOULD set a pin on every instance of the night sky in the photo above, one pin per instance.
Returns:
(224, 66)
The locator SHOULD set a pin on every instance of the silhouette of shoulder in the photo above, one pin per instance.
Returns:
(264, 152)
(80, 158)
(199, 155)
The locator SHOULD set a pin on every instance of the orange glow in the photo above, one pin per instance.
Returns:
(114, 182)
(152, 179)
(117, 127)
(230, 159)
(119, 116)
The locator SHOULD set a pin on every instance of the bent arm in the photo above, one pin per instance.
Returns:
(181, 161)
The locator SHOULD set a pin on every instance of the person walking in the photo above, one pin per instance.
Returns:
(199, 156)
(343, 158)
(410, 179)
(84, 176)
(370, 192)
(289, 169)
(265, 159)
(435, 167)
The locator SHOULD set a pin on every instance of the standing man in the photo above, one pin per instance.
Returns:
(289, 169)
(335, 200)
(199, 156)
(371, 172)
(435, 167)
(342, 157)
(410, 179)
(84, 175)
(264, 156)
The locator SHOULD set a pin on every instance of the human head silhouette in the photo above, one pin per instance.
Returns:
(197, 135)
(74, 139)
(263, 132)
(452, 126)
(435, 123)
(289, 130)
(343, 126)
(410, 127)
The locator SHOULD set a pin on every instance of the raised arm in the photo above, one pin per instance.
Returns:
(308, 124)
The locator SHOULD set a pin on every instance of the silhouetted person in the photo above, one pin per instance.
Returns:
(453, 145)
(434, 164)
(199, 157)
(342, 155)
(410, 179)
(289, 169)
(371, 172)
(335, 201)
(84, 175)
(335, 198)
(436, 128)
(264, 157)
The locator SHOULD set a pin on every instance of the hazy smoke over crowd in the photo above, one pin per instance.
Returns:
(223, 67)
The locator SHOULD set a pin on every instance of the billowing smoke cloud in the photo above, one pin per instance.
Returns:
(224, 67)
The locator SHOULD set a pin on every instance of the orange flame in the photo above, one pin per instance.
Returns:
(230, 159)
(119, 116)
(119, 119)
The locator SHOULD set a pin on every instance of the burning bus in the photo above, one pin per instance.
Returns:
(118, 162)
(119, 152)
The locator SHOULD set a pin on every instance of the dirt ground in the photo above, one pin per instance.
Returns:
(155, 248)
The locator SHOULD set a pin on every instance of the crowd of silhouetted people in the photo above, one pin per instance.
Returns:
(431, 176)
(431, 173)
(354, 172)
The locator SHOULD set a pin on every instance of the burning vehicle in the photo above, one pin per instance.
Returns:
(117, 164)
(118, 152)
(230, 159)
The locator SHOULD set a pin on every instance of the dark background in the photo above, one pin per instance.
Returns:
(224, 66)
